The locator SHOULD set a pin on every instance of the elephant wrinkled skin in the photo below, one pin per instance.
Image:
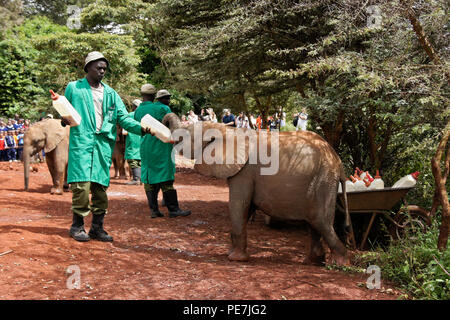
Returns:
(304, 187)
(49, 135)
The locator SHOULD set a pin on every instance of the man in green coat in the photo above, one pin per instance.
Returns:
(158, 168)
(132, 150)
(91, 145)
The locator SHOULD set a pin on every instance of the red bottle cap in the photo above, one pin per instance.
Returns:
(55, 96)
(415, 175)
(377, 176)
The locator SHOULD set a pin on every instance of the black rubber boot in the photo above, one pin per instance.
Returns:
(77, 229)
(171, 200)
(97, 232)
(136, 172)
(152, 197)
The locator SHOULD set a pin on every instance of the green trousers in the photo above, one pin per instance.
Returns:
(164, 186)
(134, 163)
(80, 198)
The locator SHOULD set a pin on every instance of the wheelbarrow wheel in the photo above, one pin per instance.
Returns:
(411, 221)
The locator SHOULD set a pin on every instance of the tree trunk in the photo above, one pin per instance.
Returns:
(333, 131)
(440, 182)
(439, 178)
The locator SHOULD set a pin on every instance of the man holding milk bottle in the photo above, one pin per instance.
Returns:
(158, 169)
(92, 143)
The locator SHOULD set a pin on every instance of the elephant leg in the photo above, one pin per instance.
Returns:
(241, 192)
(338, 250)
(57, 178)
(316, 253)
(116, 168)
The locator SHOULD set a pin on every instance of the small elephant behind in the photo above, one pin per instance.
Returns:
(50, 136)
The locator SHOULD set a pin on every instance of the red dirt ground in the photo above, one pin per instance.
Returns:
(182, 258)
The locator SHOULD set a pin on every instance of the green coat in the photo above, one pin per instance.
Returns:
(133, 144)
(156, 156)
(90, 152)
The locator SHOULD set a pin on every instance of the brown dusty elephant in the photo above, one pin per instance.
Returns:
(121, 168)
(48, 134)
(297, 180)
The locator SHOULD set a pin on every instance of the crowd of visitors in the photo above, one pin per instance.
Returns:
(11, 138)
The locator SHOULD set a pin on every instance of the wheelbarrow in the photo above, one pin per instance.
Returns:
(381, 202)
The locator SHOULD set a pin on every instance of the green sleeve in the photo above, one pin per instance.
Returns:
(68, 93)
(124, 119)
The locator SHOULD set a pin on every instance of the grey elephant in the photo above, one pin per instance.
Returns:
(304, 186)
(50, 136)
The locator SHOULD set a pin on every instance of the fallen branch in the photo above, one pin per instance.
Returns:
(9, 251)
(443, 269)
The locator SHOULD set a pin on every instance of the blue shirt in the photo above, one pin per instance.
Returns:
(228, 119)
(10, 141)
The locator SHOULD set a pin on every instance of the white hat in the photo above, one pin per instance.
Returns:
(148, 89)
(162, 93)
(94, 56)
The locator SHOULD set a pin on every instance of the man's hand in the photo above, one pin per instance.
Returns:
(64, 122)
(147, 130)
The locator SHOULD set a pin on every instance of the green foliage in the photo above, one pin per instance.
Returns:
(415, 264)
(18, 91)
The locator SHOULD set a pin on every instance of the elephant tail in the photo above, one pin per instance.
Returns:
(342, 179)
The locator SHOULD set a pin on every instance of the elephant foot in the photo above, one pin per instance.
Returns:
(238, 255)
(340, 260)
(56, 191)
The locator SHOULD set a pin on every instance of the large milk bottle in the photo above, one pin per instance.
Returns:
(408, 181)
(377, 183)
(157, 128)
(65, 109)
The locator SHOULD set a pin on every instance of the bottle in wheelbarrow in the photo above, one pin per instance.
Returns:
(408, 181)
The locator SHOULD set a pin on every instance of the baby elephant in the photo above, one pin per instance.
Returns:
(297, 180)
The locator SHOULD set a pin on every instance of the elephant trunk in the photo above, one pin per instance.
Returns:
(172, 121)
(26, 165)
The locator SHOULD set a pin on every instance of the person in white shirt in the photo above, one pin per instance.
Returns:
(192, 117)
(302, 120)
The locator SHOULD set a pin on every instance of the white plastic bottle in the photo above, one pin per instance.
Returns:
(349, 187)
(161, 131)
(377, 183)
(408, 181)
(358, 183)
(65, 109)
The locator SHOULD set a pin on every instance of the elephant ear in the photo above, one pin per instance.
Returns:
(54, 133)
(230, 158)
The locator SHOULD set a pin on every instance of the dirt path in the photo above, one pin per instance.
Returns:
(183, 258)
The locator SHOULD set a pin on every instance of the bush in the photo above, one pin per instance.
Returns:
(415, 264)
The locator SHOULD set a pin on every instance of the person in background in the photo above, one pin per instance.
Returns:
(10, 146)
(258, 123)
(2, 146)
(184, 120)
(192, 117)
(282, 119)
(20, 144)
(158, 167)
(228, 119)
(302, 120)
(26, 124)
(212, 115)
(2, 126)
(132, 150)
(10, 125)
